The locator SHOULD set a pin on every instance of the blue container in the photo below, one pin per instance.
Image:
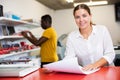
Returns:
(15, 17)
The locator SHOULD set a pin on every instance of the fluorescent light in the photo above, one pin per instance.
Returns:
(92, 3)
(69, 1)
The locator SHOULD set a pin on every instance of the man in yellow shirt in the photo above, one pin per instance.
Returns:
(47, 42)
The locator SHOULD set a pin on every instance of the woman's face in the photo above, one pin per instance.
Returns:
(82, 18)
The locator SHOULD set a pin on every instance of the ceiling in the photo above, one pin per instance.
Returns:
(63, 4)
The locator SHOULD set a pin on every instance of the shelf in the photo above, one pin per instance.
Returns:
(15, 65)
(32, 62)
(15, 53)
(17, 72)
(21, 69)
(13, 22)
(14, 37)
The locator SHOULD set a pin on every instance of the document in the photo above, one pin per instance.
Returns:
(68, 65)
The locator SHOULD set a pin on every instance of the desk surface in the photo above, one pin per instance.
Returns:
(105, 73)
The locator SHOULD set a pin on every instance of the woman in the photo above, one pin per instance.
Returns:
(91, 44)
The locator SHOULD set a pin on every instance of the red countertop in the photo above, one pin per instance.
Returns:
(105, 73)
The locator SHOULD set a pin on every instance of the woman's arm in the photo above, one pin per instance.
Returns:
(97, 64)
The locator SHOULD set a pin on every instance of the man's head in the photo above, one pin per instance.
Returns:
(46, 21)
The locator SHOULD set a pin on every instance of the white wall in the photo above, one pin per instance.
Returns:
(64, 21)
(26, 8)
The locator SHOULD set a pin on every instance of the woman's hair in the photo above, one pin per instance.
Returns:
(82, 6)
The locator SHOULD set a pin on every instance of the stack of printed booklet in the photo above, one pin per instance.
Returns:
(68, 65)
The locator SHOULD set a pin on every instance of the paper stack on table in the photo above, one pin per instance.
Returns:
(68, 65)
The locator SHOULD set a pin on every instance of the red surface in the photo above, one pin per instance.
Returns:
(106, 73)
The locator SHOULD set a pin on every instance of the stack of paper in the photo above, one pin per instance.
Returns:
(67, 65)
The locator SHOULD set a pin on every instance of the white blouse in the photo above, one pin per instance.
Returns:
(99, 44)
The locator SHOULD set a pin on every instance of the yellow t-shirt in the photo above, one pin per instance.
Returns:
(48, 51)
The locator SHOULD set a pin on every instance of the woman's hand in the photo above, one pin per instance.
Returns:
(97, 64)
(45, 70)
(90, 67)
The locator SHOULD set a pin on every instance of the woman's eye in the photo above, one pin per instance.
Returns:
(84, 15)
(77, 17)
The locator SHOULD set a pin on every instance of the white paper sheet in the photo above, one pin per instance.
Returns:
(67, 65)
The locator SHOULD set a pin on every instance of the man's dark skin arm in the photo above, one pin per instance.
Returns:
(33, 39)
(41, 41)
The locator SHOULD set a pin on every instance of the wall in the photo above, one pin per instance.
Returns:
(64, 20)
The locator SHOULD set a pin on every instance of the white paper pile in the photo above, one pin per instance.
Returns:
(68, 65)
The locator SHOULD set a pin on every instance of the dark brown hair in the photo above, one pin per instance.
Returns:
(82, 6)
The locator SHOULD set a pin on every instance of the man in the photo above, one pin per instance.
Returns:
(47, 42)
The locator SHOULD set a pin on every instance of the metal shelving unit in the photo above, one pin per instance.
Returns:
(18, 70)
